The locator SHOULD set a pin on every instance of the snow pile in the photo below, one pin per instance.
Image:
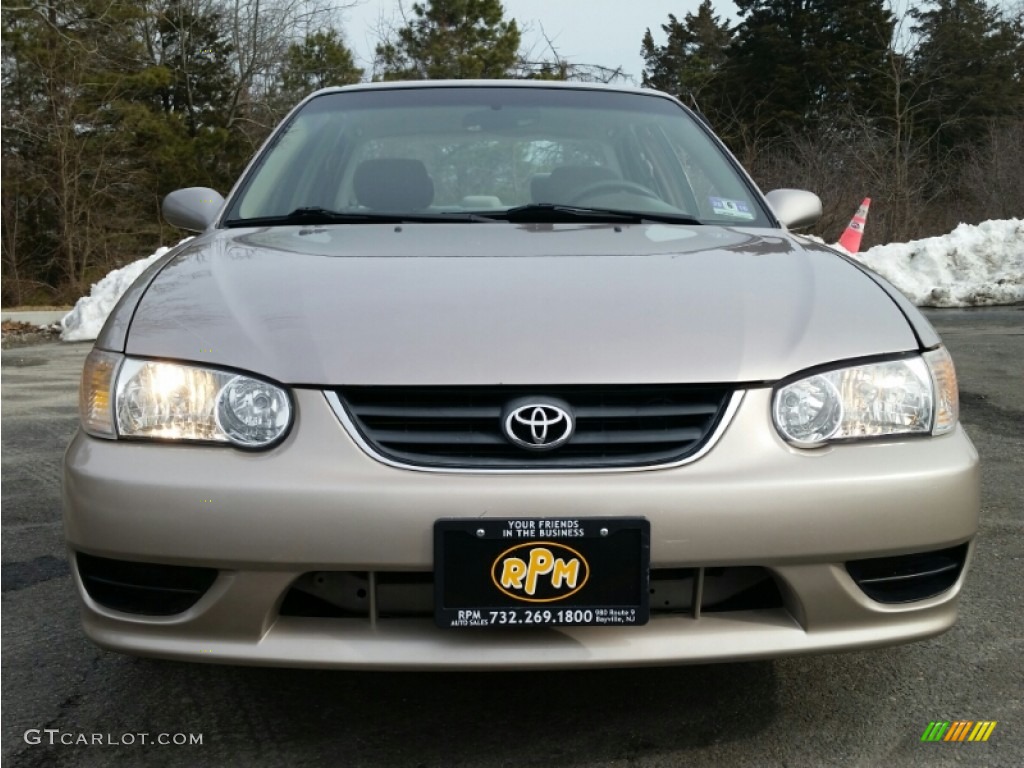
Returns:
(973, 266)
(83, 323)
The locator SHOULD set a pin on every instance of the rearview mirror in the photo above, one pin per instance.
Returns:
(795, 207)
(193, 208)
(501, 120)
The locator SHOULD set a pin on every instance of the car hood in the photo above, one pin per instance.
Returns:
(512, 304)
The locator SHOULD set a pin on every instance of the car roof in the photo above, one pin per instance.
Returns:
(536, 84)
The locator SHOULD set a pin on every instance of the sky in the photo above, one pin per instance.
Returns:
(605, 32)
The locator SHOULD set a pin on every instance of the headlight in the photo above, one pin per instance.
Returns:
(916, 395)
(171, 401)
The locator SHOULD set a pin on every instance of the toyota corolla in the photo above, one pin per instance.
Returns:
(511, 374)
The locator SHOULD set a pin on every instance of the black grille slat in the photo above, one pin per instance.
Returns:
(461, 427)
(150, 588)
(574, 462)
(639, 436)
(621, 412)
(925, 574)
(438, 438)
(400, 412)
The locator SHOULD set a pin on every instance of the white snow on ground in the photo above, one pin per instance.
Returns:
(973, 266)
(84, 321)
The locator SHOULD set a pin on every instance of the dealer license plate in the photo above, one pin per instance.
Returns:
(544, 572)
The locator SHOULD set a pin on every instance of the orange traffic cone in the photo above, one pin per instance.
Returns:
(855, 229)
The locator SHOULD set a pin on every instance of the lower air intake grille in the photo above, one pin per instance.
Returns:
(688, 592)
(906, 578)
(146, 589)
(462, 427)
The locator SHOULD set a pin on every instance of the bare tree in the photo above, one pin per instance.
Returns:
(992, 172)
(257, 34)
(552, 65)
(260, 32)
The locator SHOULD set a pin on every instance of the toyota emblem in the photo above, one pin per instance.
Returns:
(538, 424)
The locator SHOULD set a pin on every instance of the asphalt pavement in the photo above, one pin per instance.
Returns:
(856, 709)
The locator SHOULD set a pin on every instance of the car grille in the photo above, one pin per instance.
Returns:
(461, 427)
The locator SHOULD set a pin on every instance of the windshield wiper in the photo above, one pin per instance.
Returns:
(533, 213)
(316, 215)
(552, 213)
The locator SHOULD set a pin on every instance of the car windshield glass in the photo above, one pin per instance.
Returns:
(458, 149)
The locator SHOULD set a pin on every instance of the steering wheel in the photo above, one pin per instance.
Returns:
(612, 185)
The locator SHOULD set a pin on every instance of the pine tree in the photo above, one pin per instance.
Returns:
(319, 61)
(455, 39)
(849, 55)
(180, 116)
(190, 58)
(690, 63)
(798, 63)
(969, 69)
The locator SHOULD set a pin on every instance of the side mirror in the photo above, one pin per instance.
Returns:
(795, 207)
(193, 209)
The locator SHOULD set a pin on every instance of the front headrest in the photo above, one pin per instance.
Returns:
(393, 184)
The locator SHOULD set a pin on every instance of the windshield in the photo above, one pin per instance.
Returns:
(515, 153)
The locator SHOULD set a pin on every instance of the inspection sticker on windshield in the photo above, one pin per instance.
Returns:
(541, 572)
(739, 209)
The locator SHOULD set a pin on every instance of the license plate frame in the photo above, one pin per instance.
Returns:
(483, 569)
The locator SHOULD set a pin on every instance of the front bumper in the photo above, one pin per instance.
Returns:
(318, 503)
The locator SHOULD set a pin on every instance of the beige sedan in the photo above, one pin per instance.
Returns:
(511, 375)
